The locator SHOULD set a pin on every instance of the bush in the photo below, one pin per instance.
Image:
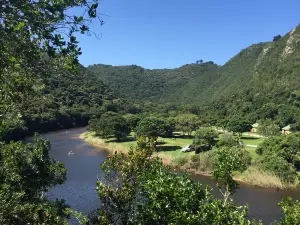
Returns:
(202, 162)
(228, 140)
(180, 161)
(280, 167)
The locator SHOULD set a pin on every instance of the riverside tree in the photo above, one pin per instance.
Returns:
(228, 160)
(286, 146)
(110, 125)
(26, 174)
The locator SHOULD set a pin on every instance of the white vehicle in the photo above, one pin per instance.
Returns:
(186, 149)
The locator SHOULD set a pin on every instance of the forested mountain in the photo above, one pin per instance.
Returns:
(68, 100)
(160, 85)
(262, 81)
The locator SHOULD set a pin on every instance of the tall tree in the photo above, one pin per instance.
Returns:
(268, 128)
(110, 124)
(205, 136)
(238, 125)
(151, 128)
(187, 123)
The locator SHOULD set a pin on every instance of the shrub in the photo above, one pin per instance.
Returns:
(202, 162)
(180, 161)
(280, 167)
(228, 140)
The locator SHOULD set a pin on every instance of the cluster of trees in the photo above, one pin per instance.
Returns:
(119, 126)
(281, 155)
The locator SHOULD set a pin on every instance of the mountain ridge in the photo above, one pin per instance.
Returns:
(261, 74)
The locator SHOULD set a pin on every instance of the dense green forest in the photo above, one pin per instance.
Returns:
(260, 82)
(67, 100)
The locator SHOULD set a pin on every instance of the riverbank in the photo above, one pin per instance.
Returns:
(196, 164)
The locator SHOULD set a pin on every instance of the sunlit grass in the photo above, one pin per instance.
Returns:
(252, 140)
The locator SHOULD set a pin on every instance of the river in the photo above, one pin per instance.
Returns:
(83, 172)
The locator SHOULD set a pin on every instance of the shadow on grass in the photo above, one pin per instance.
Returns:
(250, 138)
(128, 139)
(160, 142)
(168, 148)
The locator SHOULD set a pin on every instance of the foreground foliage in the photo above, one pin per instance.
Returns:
(26, 174)
(138, 189)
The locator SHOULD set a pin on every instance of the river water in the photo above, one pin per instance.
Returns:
(83, 172)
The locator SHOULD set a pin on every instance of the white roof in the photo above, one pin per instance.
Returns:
(288, 127)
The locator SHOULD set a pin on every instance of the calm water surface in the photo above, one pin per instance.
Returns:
(83, 172)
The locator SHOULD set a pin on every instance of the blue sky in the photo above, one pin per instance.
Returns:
(171, 33)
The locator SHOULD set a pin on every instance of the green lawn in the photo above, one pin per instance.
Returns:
(167, 146)
(172, 146)
(252, 152)
(248, 140)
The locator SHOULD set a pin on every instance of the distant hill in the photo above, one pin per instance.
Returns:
(263, 77)
(138, 84)
(69, 100)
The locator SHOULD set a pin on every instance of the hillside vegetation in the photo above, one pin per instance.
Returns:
(68, 100)
(260, 82)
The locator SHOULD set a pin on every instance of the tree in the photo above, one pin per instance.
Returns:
(132, 120)
(268, 128)
(229, 140)
(26, 174)
(169, 127)
(295, 127)
(268, 111)
(205, 136)
(151, 128)
(187, 123)
(138, 189)
(110, 124)
(276, 38)
(238, 125)
(228, 160)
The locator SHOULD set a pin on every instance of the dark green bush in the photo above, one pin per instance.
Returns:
(280, 167)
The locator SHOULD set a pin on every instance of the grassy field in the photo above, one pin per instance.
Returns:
(248, 140)
(166, 147)
(171, 147)
(170, 153)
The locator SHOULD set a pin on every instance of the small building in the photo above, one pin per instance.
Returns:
(254, 128)
(286, 130)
